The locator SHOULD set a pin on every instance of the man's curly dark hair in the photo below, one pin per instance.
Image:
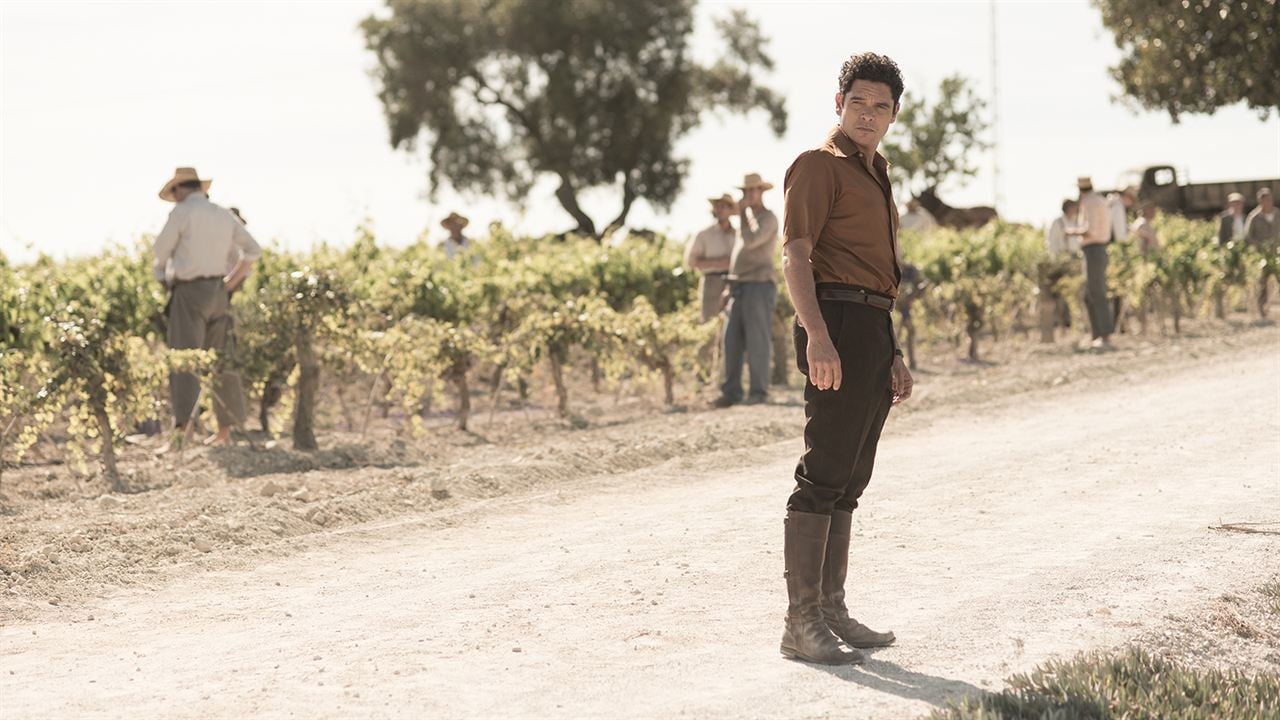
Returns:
(873, 67)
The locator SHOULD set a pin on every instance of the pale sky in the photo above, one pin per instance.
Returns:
(272, 100)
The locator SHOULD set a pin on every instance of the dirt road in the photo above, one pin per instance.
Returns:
(990, 539)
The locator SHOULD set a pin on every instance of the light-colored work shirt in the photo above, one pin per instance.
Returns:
(453, 247)
(1119, 218)
(752, 256)
(199, 239)
(1096, 219)
(1058, 241)
(713, 243)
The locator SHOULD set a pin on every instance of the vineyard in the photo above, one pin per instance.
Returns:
(341, 336)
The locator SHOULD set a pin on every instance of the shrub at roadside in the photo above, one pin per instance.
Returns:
(1131, 684)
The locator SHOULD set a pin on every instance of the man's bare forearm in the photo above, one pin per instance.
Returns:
(804, 295)
(711, 264)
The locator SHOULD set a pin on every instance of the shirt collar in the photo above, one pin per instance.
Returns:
(841, 146)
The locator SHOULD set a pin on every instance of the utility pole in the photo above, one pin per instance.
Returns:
(995, 116)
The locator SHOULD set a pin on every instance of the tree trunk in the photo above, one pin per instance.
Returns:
(557, 377)
(304, 435)
(628, 197)
(1048, 305)
(972, 328)
(1220, 303)
(668, 384)
(459, 374)
(909, 327)
(781, 347)
(264, 407)
(109, 468)
(568, 198)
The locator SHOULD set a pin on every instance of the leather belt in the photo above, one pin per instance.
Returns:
(878, 302)
(197, 279)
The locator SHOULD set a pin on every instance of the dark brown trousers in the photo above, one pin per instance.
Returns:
(842, 427)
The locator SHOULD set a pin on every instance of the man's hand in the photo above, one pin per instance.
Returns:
(743, 204)
(824, 362)
(724, 299)
(900, 380)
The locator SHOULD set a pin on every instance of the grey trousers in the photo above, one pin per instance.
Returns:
(1095, 297)
(200, 318)
(749, 333)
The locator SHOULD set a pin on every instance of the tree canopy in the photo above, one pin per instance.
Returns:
(595, 93)
(1196, 56)
(936, 142)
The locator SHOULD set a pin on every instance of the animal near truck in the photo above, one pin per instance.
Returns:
(1160, 184)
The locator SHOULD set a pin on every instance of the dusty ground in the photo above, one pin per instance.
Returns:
(1048, 503)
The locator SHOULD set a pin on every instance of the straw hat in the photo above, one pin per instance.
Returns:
(725, 198)
(181, 175)
(1084, 182)
(753, 180)
(454, 219)
(1235, 197)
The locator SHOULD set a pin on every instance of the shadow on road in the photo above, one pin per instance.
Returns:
(884, 676)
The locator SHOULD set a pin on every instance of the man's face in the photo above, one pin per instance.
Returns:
(180, 193)
(1267, 203)
(1072, 211)
(866, 112)
(722, 210)
(752, 196)
(1235, 206)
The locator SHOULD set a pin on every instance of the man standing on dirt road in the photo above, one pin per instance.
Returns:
(191, 257)
(1097, 233)
(842, 265)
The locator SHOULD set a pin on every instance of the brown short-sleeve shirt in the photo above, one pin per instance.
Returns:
(847, 211)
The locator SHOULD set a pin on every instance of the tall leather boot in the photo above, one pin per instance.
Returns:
(806, 636)
(834, 571)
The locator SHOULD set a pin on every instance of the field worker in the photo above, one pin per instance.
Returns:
(1118, 204)
(1144, 230)
(456, 242)
(842, 264)
(1262, 228)
(917, 219)
(1231, 221)
(708, 253)
(1096, 220)
(192, 254)
(1062, 239)
(753, 293)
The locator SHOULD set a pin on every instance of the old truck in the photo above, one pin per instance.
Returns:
(1159, 184)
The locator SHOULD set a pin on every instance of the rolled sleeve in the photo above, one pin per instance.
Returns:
(249, 248)
(808, 194)
(693, 251)
(167, 241)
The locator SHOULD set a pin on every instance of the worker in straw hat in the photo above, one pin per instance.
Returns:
(191, 261)
(708, 253)
(1096, 219)
(456, 242)
(1231, 221)
(753, 293)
